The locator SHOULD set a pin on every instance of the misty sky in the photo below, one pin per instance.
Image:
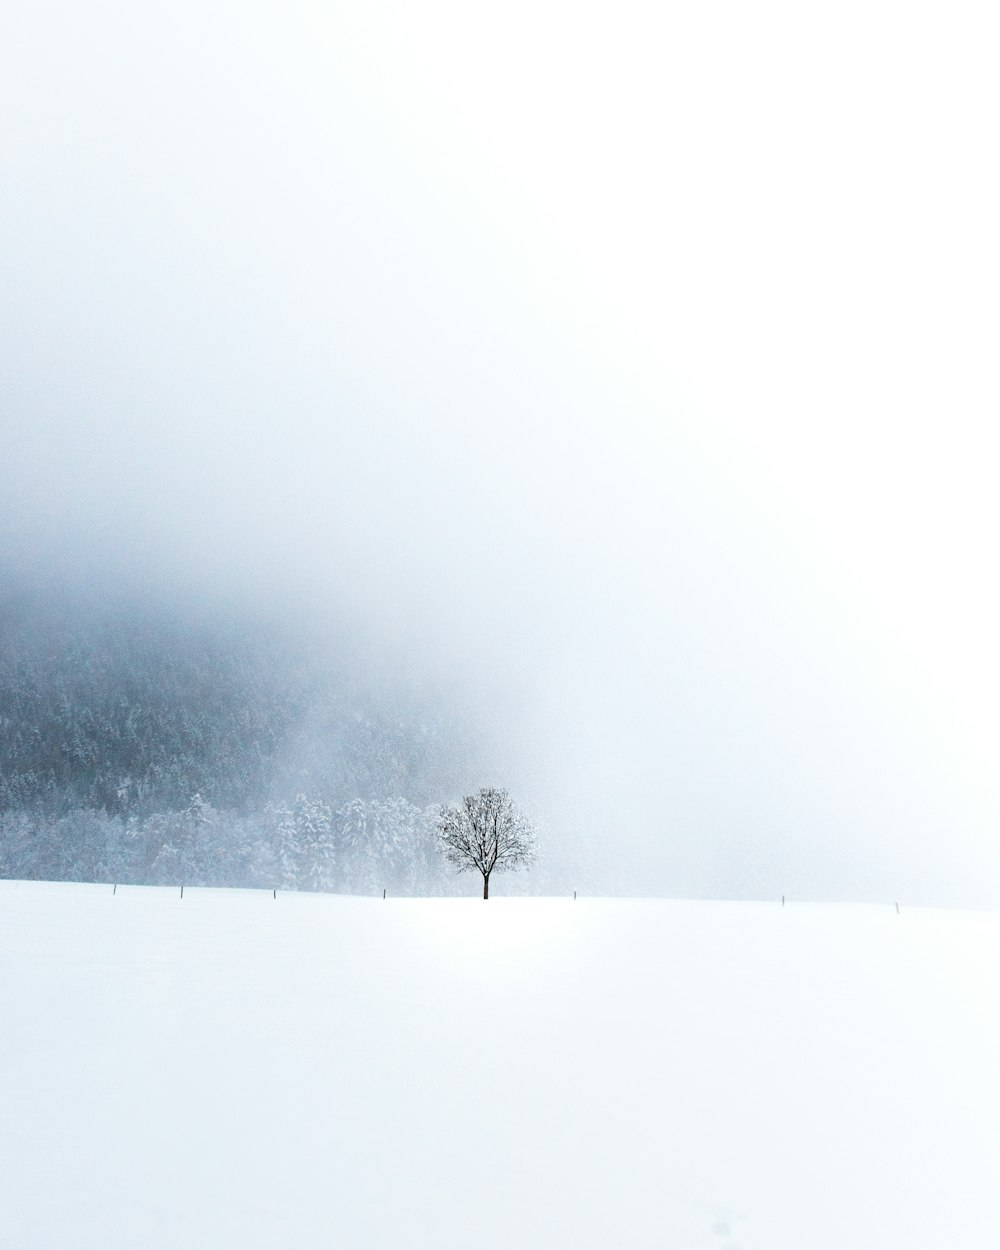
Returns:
(634, 364)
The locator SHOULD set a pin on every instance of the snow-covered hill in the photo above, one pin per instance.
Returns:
(234, 1070)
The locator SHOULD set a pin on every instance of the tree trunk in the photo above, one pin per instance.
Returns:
(486, 885)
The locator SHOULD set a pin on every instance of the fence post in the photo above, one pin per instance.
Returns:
(275, 891)
(897, 909)
(114, 891)
(182, 891)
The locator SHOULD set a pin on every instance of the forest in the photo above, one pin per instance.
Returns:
(148, 743)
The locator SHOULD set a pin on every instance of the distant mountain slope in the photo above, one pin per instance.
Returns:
(131, 710)
(140, 714)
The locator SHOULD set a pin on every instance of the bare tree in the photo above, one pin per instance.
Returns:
(486, 832)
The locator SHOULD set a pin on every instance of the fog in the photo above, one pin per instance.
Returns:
(630, 370)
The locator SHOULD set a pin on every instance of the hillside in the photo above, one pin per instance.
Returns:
(309, 1071)
(153, 742)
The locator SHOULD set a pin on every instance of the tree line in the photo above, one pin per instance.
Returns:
(363, 847)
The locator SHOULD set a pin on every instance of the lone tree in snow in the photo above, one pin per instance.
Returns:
(486, 832)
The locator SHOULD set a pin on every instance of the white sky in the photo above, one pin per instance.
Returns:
(639, 358)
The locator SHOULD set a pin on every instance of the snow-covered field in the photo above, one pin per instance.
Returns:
(231, 1070)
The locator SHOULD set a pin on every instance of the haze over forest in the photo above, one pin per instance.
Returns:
(402, 399)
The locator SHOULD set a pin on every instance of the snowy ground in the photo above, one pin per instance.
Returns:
(228, 1070)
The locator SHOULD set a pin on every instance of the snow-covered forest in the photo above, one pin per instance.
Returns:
(151, 745)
